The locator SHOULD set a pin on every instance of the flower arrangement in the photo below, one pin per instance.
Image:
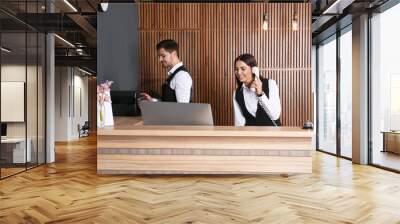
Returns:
(103, 91)
(103, 96)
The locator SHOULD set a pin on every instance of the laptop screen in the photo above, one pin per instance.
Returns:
(167, 113)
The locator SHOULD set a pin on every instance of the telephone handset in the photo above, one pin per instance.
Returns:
(256, 73)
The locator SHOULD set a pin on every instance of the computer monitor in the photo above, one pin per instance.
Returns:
(167, 113)
(124, 103)
(3, 129)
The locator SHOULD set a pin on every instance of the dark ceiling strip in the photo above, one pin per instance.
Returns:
(16, 19)
(331, 30)
(387, 5)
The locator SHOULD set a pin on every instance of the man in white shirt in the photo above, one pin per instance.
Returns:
(178, 85)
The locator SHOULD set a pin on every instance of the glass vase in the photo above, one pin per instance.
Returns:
(102, 116)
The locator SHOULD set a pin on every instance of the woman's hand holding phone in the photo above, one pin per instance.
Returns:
(257, 85)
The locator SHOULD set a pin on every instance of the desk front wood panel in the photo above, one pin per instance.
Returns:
(222, 150)
(201, 164)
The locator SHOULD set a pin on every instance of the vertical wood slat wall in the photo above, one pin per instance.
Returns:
(212, 35)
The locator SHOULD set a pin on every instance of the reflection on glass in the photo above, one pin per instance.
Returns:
(327, 96)
(22, 90)
(346, 94)
(13, 84)
(31, 101)
(32, 86)
(385, 84)
(41, 98)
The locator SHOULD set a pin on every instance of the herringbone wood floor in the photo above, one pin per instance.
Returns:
(70, 191)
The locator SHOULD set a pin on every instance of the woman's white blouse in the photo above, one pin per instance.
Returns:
(271, 105)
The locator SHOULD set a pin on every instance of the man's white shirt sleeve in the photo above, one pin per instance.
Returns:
(182, 84)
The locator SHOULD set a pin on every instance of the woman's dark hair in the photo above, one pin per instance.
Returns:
(249, 60)
(168, 45)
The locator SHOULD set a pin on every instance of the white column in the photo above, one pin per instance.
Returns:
(50, 100)
(360, 90)
(50, 92)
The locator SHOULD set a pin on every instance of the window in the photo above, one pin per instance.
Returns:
(327, 96)
(385, 88)
(346, 93)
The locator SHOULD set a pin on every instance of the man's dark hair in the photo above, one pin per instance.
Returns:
(168, 45)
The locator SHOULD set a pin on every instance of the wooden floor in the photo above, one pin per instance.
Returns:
(70, 191)
(5, 172)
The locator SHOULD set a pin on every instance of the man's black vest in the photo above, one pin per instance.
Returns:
(168, 94)
(261, 118)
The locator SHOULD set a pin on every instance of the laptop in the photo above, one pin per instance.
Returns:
(167, 113)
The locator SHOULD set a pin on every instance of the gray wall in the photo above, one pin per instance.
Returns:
(69, 81)
(117, 46)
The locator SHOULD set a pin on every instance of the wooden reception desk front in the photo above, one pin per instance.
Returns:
(131, 148)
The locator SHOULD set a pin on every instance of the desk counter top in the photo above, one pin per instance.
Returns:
(131, 148)
(133, 127)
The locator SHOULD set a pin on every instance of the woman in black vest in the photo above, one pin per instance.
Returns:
(256, 100)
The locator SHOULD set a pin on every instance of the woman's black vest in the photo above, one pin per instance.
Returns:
(168, 94)
(261, 118)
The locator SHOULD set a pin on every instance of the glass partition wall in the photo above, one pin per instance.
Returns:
(334, 89)
(22, 77)
(334, 83)
(326, 110)
(385, 89)
(345, 61)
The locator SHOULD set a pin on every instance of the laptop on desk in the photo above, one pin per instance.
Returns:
(167, 113)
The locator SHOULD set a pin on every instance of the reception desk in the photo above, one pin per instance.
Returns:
(131, 148)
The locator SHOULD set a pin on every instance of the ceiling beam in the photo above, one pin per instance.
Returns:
(84, 24)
